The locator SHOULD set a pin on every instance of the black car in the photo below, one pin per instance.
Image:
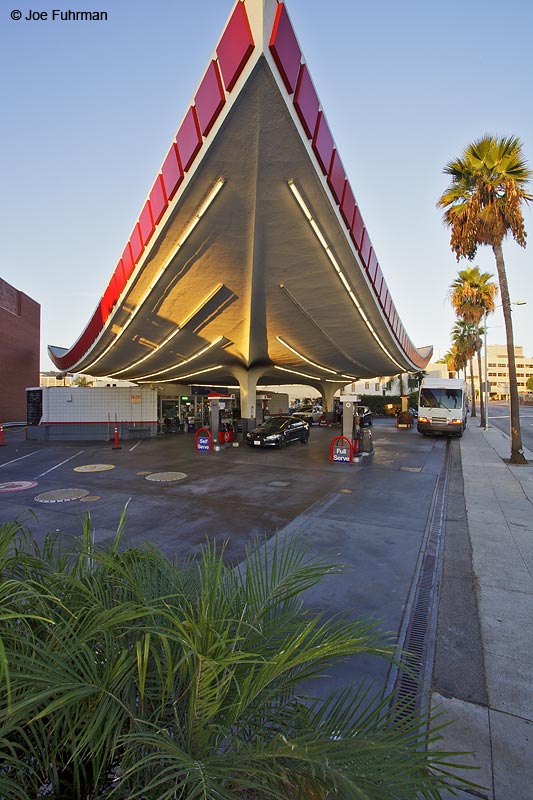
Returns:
(278, 432)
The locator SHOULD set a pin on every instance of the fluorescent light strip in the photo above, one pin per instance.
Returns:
(302, 374)
(184, 236)
(296, 353)
(318, 234)
(148, 355)
(299, 198)
(190, 375)
(172, 335)
(182, 363)
(325, 245)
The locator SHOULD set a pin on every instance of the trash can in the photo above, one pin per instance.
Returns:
(367, 445)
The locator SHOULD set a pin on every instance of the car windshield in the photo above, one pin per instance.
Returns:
(441, 398)
(273, 424)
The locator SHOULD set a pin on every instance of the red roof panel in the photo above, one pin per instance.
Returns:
(306, 101)
(323, 143)
(136, 243)
(172, 172)
(188, 139)
(235, 47)
(285, 49)
(348, 204)
(210, 98)
(358, 228)
(336, 177)
(146, 223)
(158, 199)
(127, 261)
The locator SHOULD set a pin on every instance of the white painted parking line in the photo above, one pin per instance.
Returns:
(19, 459)
(135, 445)
(59, 465)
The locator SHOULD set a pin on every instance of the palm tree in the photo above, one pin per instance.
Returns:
(472, 296)
(482, 205)
(126, 675)
(401, 389)
(448, 359)
(464, 336)
(82, 380)
(419, 376)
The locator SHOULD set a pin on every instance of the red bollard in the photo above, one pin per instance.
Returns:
(2, 440)
(115, 446)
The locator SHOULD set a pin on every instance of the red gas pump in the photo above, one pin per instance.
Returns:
(221, 418)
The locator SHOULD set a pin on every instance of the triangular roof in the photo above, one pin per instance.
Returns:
(250, 251)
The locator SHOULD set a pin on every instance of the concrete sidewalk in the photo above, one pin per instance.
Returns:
(499, 732)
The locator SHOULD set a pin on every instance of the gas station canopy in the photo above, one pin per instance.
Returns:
(250, 261)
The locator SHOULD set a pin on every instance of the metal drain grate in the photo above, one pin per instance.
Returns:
(61, 495)
(410, 689)
(166, 477)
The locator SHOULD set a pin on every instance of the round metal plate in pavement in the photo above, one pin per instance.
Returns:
(90, 498)
(16, 486)
(166, 477)
(94, 468)
(61, 495)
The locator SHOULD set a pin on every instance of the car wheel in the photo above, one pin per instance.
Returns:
(305, 437)
(282, 442)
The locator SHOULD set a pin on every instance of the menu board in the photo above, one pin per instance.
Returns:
(34, 406)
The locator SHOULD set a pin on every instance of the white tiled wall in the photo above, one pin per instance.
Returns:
(106, 404)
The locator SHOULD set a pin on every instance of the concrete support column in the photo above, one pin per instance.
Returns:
(247, 379)
(328, 392)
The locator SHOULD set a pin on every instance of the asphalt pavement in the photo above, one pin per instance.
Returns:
(383, 518)
(371, 517)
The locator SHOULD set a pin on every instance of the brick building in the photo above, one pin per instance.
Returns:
(20, 325)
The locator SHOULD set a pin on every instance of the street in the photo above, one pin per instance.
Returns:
(499, 417)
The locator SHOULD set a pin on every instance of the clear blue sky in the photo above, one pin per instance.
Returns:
(89, 110)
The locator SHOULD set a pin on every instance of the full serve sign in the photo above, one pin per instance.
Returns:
(341, 452)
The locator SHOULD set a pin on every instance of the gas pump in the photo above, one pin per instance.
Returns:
(361, 438)
(221, 418)
(262, 410)
(350, 419)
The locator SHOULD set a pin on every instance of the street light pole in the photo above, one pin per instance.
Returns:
(486, 373)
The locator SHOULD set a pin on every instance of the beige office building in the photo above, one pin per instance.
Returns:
(498, 371)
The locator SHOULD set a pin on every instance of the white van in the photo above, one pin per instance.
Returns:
(442, 406)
